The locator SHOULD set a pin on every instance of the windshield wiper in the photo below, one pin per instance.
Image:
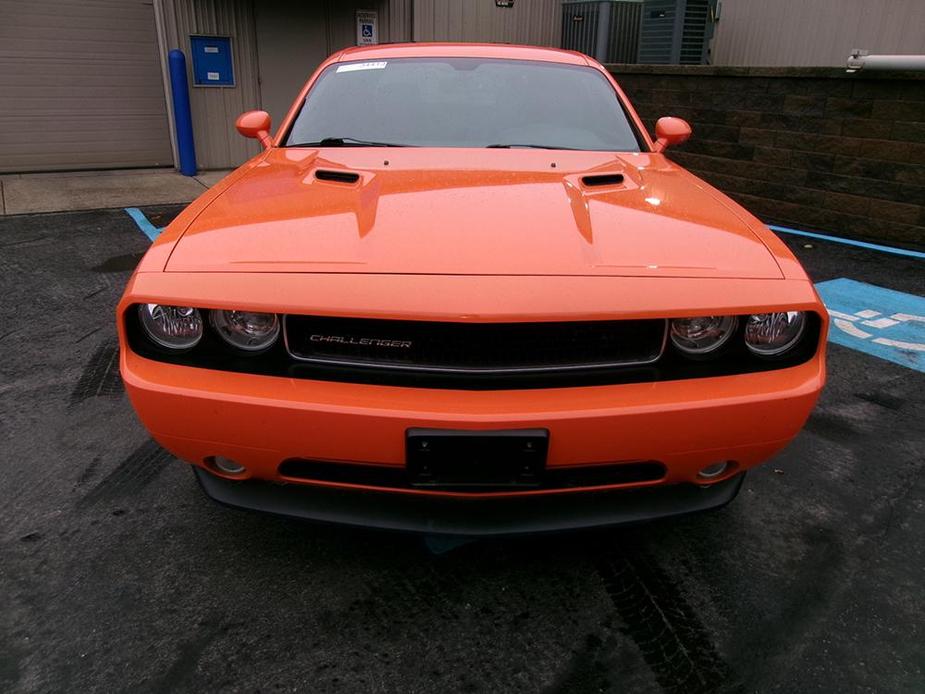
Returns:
(346, 142)
(524, 146)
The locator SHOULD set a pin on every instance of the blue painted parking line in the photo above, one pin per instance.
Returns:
(850, 242)
(148, 229)
(877, 321)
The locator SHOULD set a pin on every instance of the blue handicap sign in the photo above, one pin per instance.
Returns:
(366, 30)
(881, 322)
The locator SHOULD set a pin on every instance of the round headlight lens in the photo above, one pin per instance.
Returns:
(770, 334)
(173, 327)
(703, 334)
(252, 332)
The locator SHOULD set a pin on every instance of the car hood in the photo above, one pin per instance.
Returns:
(471, 212)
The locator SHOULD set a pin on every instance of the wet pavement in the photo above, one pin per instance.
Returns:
(116, 574)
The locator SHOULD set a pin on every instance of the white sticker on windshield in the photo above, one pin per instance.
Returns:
(352, 67)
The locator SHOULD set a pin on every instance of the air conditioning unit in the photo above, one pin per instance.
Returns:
(677, 32)
(607, 30)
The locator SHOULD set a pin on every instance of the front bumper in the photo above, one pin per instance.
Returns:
(469, 517)
(261, 421)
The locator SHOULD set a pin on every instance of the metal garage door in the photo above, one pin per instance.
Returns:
(80, 86)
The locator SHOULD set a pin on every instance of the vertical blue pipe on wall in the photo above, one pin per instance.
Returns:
(179, 89)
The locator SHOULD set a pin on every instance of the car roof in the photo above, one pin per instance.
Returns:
(461, 50)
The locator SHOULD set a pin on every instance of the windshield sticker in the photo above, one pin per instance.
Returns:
(353, 67)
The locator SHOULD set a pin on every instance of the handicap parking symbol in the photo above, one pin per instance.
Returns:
(877, 321)
(366, 30)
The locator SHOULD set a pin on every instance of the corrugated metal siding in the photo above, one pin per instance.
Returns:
(80, 86)
(817, 33)
(400, 17)
(294, 39)
(291, 43)
(215, 109)
(533, 22)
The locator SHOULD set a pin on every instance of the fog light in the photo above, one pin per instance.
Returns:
(227, 465)
(713, 471)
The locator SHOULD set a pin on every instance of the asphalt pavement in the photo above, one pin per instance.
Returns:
(117, 574)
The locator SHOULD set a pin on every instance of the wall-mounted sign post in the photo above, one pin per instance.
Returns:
(367, 28)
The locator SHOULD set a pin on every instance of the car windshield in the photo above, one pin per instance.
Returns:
(463, 102)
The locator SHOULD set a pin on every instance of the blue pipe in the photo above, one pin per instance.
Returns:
(179, 89)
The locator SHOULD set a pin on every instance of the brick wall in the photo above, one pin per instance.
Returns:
(813, 148)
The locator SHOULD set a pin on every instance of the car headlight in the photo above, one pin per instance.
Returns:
(173, 327)
(246, 330)
(701, 335)
(771, 334)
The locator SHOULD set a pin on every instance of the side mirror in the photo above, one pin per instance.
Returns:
(255, 124)
(670, 131)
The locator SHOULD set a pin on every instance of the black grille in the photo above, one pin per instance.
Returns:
(214, 353)
(473, 348)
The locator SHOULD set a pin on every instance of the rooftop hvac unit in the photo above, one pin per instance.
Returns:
(677, 31)
(606, 30)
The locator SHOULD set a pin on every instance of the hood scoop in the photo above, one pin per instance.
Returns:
(599, 180)
(337, 176)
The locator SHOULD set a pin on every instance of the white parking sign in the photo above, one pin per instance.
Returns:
(367, 30)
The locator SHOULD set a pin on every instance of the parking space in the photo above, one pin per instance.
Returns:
(117, 574)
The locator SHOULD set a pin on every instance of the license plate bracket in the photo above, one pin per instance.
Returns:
(476, 459)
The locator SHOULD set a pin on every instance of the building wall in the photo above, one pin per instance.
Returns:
(276, 45)
(811, 148)
(292, 38)
(214, 109)
(534, 22)
(815, 32)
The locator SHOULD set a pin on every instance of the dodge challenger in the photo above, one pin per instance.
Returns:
(462, 290)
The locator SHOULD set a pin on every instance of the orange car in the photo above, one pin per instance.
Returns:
(463, 291)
